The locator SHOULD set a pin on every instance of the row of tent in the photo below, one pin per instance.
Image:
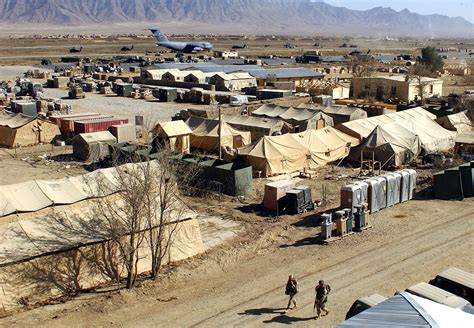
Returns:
(398, 138)
(297, 151)
(303, 118)
(35, 195)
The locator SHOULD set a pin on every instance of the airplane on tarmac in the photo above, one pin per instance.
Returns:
(180, 47)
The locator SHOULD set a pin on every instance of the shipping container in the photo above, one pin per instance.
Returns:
(124, 90)
(263, 94)
(97, 125)
(167, 94)
(66, 125)
(57, 118)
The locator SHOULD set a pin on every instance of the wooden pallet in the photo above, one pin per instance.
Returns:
(365, 228)
(333, 239)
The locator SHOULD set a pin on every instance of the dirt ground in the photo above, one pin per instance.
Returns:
(241, 283)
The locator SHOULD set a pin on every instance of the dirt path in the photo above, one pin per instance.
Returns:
(408, 243)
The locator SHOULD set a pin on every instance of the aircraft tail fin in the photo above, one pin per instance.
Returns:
(160, 36)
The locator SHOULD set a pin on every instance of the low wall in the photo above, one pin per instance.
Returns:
(173, 84)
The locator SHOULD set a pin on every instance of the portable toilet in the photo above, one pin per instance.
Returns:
(377, 193)
(351, 195)
(405, 186)
(393, 181)
(365, 190)
(411, 191)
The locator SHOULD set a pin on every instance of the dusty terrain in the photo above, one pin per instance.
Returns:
(241, 283)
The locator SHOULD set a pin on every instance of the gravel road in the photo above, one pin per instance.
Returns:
(408, 243)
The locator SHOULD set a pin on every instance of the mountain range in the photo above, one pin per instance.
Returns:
(238, 16)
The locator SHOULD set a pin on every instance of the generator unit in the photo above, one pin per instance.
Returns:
(326, 226)
(299, 200)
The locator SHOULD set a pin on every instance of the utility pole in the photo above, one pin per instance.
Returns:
(220, 130)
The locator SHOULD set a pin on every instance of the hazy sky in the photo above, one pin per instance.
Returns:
(453, 8)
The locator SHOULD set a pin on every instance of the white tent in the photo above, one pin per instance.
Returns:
(458, 122)
(433, 137)
(390, 144)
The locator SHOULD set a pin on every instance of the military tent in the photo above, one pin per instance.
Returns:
(257, 126)
(78, 231)
(389, 144)
(303, 118)
(20, 130)
(433, 137)
(205, 135)
(342, 114)
(92, 146)
(296, 151)
(458, 122)
(174, 133)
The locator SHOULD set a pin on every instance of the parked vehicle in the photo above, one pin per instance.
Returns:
(439, 295)
(238, 100)
(364, 303)
(456, 281)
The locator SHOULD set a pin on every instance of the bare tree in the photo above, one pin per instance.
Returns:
(122, 215)
(170, 176)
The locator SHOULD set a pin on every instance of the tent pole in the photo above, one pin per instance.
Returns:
(220, 131)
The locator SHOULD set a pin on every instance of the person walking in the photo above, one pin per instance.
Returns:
(322, 291)
(291, 290)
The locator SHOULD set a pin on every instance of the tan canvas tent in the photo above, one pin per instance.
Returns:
(205, 135)
(276, 155)
(342, 114)
(458, 122)
(92, 146)
(175, 133)
(20, 130)
(48, 239)
(390, 144)
(25, 196)
(326, 145)
(304, 118)
(433, 137)
(296, 151)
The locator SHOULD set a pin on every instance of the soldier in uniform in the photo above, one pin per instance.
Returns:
(322, 291)
(291, 290)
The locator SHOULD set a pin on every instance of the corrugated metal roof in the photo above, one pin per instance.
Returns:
(254, 70)
(397, 311)
(284, 73)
